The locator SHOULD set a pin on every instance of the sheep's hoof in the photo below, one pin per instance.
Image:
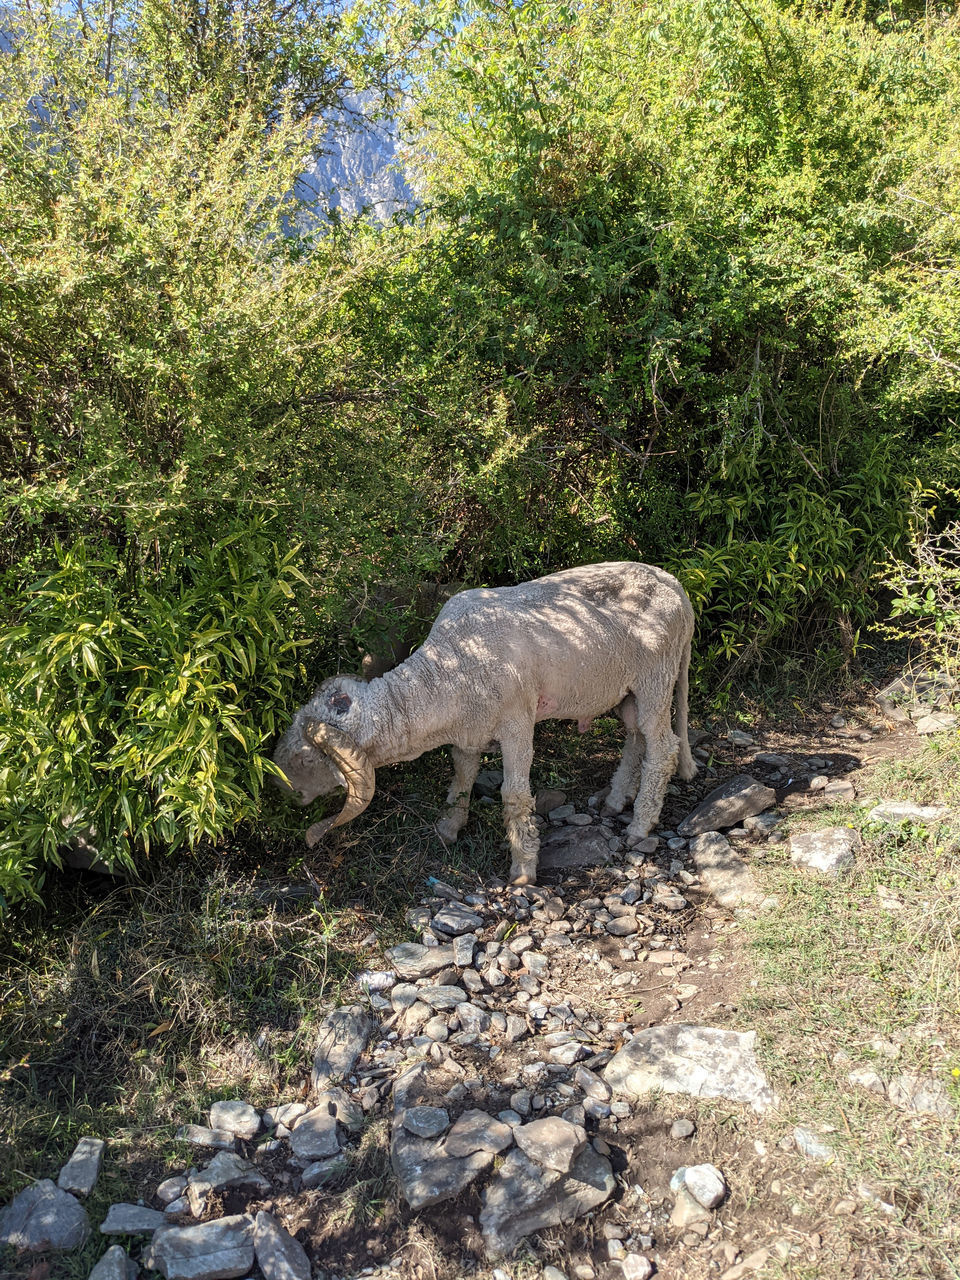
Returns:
(608, 809)
(448, 830)
(635, 835)
(520, 874)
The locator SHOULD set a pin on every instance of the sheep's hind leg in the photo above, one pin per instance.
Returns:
(658, 766)
(518, 805)
(465, 767)
(623, 785)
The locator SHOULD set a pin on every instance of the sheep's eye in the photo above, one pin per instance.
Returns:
(340, 703)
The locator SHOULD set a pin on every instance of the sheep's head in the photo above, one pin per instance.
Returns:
(316, 756)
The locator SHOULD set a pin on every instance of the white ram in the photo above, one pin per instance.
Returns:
(570, 646)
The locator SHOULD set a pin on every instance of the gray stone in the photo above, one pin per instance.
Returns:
(473, 1019)
(178, 1206)
(427, 1175)
(723, 873)
(706, 1184)
(217, 1250)
(426, 1122)
(81, 1171)
(829, 851)
(893, 811)
(445, 997)
(463, 948)
(682, 1128)
(761, 824)
(412, 960)
(937, 722)
(115, 1265)
(921, 1094)
(521, 1199)
(839, 791)
(131, 1220)
(592, 1085)
(43, 1218)
(436, 1028)
(728, 805)
(488, 783)
(622, 926)
(552, 1142)
(404, 996)
(198, 1135)
(477, 1131)
(636, 1267)
(574, 847)
(171, 1189)
(562, 812)
(811, 1145)
(548, 799)
(740, 739)
(567, 1054)
(705, 1062)
(867, 1078)
(456, 919)
(227, 1169)
(315, 1135)
(321, 1172)
(516, 1028)
(687, 1210)
(235, 1117)
(343, 1037)
(339, 1103)
(280, 1256)
(287, 1114)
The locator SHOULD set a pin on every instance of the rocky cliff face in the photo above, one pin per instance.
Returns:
(358, 168)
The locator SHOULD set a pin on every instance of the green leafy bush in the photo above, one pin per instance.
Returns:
(138, 715)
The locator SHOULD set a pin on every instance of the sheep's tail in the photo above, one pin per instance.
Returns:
(687, 765)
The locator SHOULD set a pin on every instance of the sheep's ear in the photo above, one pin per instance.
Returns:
(341, 703)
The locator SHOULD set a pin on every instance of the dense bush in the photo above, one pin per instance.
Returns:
(136, 715)
(682, 286)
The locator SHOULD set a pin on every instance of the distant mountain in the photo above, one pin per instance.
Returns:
(358, 168)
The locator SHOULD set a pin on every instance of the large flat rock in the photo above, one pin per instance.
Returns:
(413, 960)
(830, 850)
(723, 873)
(343, 1037)
(426, 1173)
(81, 1171)
(727, 806)
(217, 1250)
(42, 1219)
(280, 1255)
(574, 847)
(523, 1197)
(705, 1062)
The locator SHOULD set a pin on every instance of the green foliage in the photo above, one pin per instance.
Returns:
(132, 718)
(925, 610)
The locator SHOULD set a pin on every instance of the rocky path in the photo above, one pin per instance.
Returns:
(527, 1060)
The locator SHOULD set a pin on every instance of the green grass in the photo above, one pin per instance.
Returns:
(843, 981)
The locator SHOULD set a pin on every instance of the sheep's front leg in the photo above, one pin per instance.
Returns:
(522, 834)
(465, 767)
(659, 764)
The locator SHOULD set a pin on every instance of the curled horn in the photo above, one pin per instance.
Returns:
(355, 767)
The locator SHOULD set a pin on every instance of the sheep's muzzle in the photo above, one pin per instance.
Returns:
(356, 769)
